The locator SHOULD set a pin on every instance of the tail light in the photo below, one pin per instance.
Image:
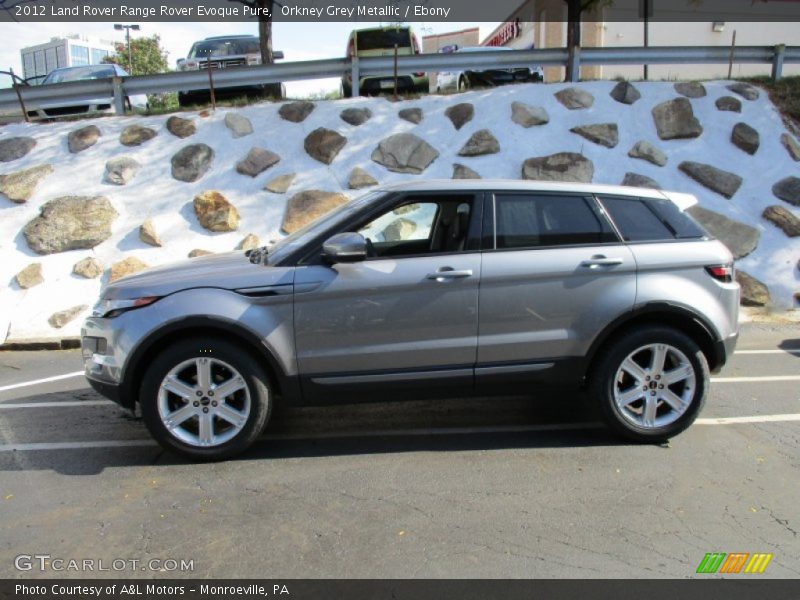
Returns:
(415, 43)
(351, 48)
(419, 74)
(723, 273)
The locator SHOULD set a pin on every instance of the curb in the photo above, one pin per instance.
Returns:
(42, 344)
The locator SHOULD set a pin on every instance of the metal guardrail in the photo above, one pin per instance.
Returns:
(118, 88)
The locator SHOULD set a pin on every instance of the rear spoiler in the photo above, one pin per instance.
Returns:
(683, 201)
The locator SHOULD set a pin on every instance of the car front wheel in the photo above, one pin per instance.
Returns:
(207, 399)
(651, 383)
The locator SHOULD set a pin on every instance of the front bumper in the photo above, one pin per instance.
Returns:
(55, 111)
(101, 367)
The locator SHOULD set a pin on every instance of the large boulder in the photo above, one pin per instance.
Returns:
(604, 134)
(180, 127)
(575, 98)
(121, 170)
(783, 219)
(280, 184)
(148, 234)
(20, 185)
(215, 213)
(791, 145)
(359, 179)
(399, 229)
(646, 151)
(412, 115)
(638, 180)
(190, 163)
(404, 153)
(324, 144)
(724, 183)
(83, 138)
(675, 120)
(460, 114)
(126, 267)
(690, 89)
(625, 92)
(88, 268)
(355, 116)
(257, 161)
(563, 166)
(70, 223)
(788, 190)
(464, 172)
(59, 319)
(741, 239)
(754, 292)
(745, 138)
(30, 276)
(198, 252)
(250, 242)
(527, 115)
(308, 206)
(136, 135)
(745, 90)
(480, 143)
(239, 125)
(15, 148)
(296, 112)
(729, 104)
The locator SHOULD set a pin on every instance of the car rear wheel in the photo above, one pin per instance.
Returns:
(207, 399)
(651, 383)
(463, 83)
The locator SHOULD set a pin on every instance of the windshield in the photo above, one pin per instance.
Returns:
(229, 47)
(292, 242)
(80, 73)
(381, 39)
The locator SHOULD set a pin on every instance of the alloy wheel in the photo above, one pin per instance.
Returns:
(204, 402)
(654, 386)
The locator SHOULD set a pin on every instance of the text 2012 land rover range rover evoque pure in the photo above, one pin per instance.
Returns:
(425, 290)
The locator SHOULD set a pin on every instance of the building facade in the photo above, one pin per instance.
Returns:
(543, 24)
(70, 51)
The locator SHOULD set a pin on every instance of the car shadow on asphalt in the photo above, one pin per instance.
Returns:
(551, 420)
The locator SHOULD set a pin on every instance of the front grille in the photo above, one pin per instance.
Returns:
(224, 64)
(66, 110)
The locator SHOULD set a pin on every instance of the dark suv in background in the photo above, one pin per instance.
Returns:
(424, 290)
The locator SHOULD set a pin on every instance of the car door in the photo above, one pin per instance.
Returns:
(406, 317)
(554, 273)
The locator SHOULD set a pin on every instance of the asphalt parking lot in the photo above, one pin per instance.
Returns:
(513, 487)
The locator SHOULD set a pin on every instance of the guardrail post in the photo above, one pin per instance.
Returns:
(777, 61)
(119, 95)
(355, 91)
(574, 58)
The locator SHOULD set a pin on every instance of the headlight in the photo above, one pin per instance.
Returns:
(109, 309)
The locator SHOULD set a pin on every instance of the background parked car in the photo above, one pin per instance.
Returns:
(226, 52)
(60, 108)
(463, 80)
(381, 41)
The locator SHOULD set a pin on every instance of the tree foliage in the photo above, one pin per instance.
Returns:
(147, 56)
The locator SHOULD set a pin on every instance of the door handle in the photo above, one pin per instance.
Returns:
(601, 261)
(446, 273)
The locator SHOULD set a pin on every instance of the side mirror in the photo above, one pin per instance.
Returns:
(345, 247)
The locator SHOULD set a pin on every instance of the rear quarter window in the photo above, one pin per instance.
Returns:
(650, 220)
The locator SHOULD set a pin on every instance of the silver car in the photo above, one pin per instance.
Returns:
(426, 290)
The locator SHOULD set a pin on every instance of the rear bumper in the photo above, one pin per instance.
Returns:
(724, 350)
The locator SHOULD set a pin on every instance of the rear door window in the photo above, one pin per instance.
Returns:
(650, 220)
(541, 220)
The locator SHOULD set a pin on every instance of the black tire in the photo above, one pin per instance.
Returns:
(255, 379)
(603, 382)
(463, 84)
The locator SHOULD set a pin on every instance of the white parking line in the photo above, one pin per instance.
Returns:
(755, 379)
(6, 405)
(395, 433)
(787, 351)
(16, 386)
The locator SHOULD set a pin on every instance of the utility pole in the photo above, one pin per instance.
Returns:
(127, 28)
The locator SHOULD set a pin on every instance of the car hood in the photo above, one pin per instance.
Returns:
(229, 271)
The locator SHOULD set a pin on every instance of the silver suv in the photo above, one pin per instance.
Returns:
(428, 289)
